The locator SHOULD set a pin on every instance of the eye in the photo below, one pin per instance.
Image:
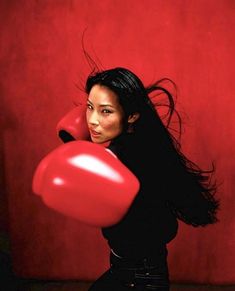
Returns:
(89, 106)
(106, 111)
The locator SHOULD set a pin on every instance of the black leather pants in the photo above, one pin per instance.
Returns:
(139, 275)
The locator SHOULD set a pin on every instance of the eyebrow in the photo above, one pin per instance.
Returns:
(101, 105)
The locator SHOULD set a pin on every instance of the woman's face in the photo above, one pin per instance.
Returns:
(104, 114)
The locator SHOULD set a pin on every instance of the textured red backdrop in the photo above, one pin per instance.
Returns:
(41, 57)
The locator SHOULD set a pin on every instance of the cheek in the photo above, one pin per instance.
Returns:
(87, 115)
(112, 125)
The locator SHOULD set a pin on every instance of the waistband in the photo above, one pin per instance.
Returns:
(158, 258)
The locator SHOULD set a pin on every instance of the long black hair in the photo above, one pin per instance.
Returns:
(189, 190)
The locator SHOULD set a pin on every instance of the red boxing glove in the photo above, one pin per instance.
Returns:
(73, 126)
(87, 182)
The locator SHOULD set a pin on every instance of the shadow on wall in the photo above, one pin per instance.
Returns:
(8, 280)
(8, 122)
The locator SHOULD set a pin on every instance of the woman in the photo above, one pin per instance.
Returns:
(121, 114)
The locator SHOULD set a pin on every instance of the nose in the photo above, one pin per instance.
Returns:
(93, 118)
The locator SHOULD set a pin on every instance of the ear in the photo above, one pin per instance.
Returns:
(133, 117)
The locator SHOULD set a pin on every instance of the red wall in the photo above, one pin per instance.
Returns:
(41, 58)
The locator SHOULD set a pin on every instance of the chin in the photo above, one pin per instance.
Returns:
(104, 143)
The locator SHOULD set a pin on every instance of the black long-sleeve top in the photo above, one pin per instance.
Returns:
(149, 223)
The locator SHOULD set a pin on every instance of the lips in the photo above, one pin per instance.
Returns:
(94, 133)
